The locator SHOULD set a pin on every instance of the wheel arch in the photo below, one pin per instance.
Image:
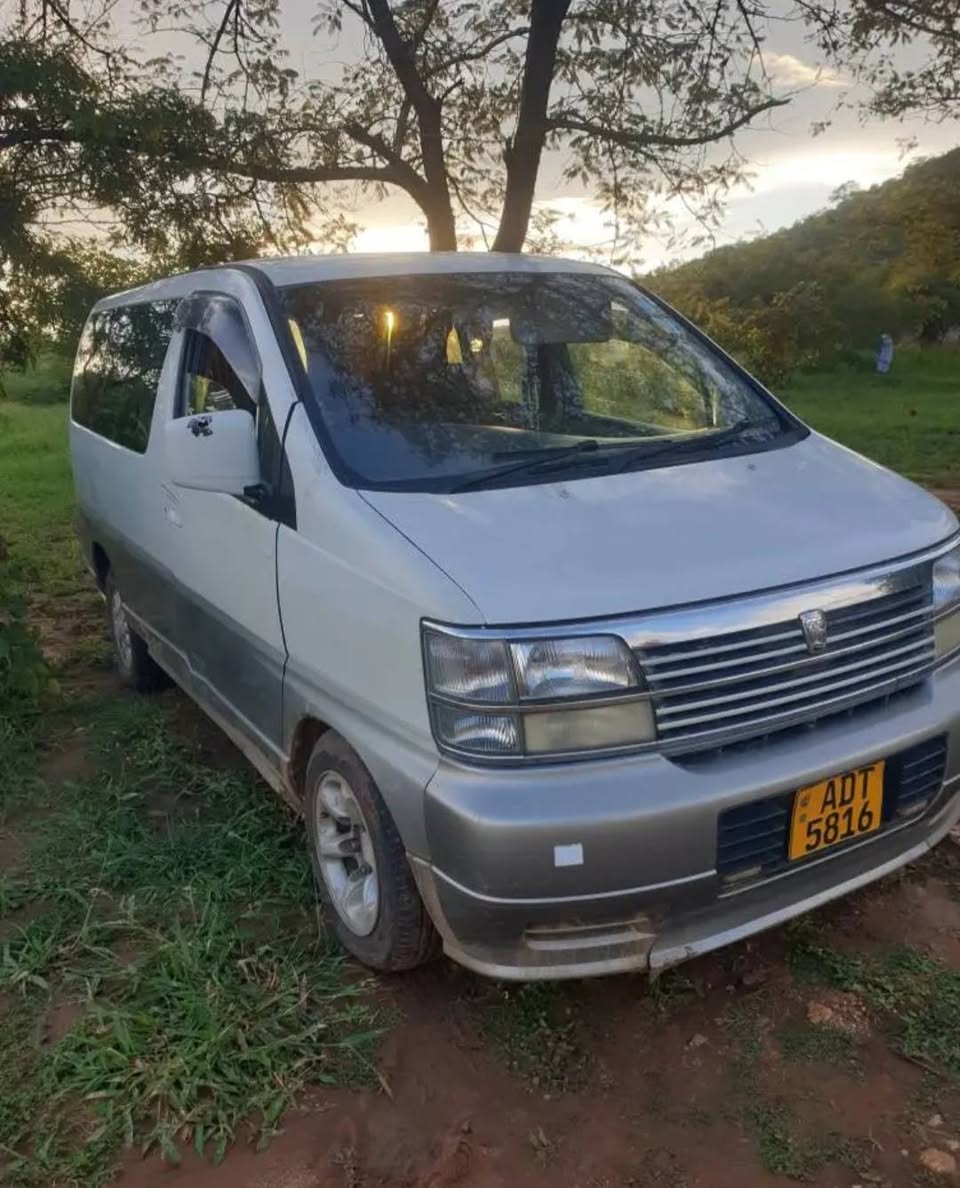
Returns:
(101, 564)
(304, 738)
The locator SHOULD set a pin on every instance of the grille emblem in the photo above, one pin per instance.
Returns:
(814, 624)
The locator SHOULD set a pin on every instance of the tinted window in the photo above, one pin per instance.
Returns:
(118, 367)
(426, 381)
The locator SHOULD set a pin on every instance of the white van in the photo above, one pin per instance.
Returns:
(577, 650)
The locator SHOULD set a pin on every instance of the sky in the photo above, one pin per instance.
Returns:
(793, 172)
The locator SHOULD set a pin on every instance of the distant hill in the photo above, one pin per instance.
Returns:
(886, 259)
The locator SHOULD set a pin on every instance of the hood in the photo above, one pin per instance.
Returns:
(617, 544)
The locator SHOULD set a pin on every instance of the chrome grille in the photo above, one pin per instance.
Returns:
(741, 684)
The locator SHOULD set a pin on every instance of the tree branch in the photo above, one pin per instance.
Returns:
(522, 153)
(401, 55)
(215, 45)
(263, 171)
(479, 52)
(570, 121)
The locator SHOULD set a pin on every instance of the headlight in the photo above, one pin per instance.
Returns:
(573, 667)
(538, 697)
(946, 603)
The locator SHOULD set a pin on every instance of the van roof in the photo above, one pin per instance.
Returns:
(290, 270)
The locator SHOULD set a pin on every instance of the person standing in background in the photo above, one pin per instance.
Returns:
(884, 354)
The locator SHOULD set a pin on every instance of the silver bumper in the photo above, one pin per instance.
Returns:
(594, 868)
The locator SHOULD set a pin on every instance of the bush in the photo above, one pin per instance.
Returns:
(45, 381)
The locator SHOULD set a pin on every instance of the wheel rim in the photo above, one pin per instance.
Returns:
(345, 854)
(121, 632)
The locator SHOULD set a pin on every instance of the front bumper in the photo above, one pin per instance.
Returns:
(579, 869)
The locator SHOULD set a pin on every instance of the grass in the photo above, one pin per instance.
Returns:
(536, 1031)
(186, 942)
(916, 996)
(47, 382)
(801, 1040)
(786, 1149)
(36, 504)
(906, 420)
(162, 977)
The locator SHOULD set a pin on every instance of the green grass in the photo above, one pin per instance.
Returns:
(907, 420)
(785, 1148)
(36, 502)
(917, 997)
(536, 1031)
(162, 977)
(818, 1044)
(171, 902)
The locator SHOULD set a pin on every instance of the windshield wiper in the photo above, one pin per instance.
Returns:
(547, 457)
(551, 458)
(698, 441)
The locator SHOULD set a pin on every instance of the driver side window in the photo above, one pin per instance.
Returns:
(209, 384)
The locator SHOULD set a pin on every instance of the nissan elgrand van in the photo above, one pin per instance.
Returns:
(577, 651)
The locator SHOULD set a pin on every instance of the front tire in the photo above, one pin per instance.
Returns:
(134, 663)
(363, 878)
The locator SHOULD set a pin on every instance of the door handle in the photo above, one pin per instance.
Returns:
(173, 516)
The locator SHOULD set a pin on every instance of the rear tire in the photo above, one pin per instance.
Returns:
(363, 878)
(130, 655)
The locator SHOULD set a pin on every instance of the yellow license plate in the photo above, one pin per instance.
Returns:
(847, 805)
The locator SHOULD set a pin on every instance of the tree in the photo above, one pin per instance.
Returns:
(881, 259)
(872, 36)
(453, 102)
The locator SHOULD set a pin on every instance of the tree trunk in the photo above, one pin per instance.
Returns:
(441, 229)
(434, 201)
(522, 153)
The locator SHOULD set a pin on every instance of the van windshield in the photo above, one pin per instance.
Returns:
(455, 381)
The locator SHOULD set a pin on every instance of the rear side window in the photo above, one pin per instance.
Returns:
(118, 367)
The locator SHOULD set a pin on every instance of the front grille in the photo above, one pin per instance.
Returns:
(914, 779)
(752, 838)
(754, 682)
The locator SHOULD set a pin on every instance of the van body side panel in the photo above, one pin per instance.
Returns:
(352, 594)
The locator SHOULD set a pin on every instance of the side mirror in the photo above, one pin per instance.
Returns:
(213, 451)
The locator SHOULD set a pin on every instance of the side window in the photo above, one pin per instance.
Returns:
(117, 371)
(209, 384)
